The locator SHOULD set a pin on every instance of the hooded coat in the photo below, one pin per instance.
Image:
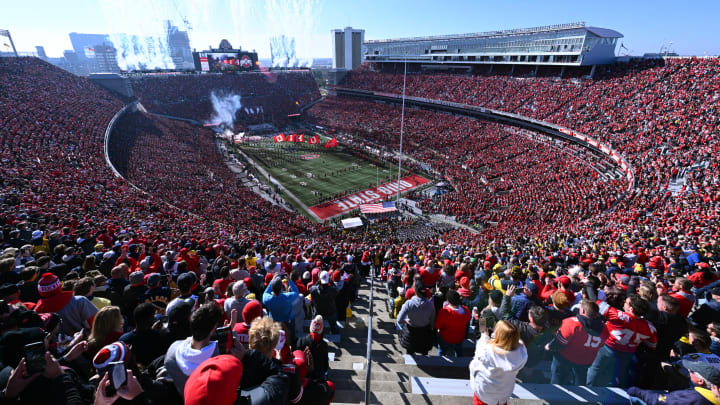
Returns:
(493, 371)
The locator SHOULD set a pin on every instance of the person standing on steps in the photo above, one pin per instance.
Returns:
(496, 363)
(452, 321)
(416, 321)
(324, 301)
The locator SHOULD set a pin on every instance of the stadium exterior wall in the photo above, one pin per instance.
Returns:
(555, 131)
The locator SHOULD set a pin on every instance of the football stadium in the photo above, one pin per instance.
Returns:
(529, 215)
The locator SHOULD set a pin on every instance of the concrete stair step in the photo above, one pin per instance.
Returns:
(385, 397)
(398, 372)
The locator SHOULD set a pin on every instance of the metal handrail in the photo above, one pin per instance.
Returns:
(369, 340)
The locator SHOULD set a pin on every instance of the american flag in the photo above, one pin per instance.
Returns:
(377, 208)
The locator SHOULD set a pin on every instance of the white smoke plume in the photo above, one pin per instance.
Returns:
(137, 30)
(225, 106)
(295, 20)
(282, 49)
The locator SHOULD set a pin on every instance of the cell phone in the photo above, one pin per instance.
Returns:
(35, 357)
(482, 324)
(118, 374)
(225, 338)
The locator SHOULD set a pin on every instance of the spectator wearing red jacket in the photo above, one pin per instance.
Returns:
(628, 330)
(682, 292)
(452, 321)
(430, 275)
(576, 344)
(703, 276)
(192, 261)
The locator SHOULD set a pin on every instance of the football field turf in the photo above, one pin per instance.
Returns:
(312, 172)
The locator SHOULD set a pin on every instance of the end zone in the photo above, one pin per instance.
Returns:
(350, 202)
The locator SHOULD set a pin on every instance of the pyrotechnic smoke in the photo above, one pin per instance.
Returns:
(137, 31)
(294, 20)
(224, 108)
(283, 51)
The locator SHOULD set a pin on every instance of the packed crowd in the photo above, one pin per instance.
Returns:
(265, 97)
(633, 107)
(525, 186)
(146, 320)
(644, 317)
(110, 294)
(196, 178)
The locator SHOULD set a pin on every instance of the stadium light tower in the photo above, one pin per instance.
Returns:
(12, 44)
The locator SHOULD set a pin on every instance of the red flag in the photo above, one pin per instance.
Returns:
(301, 138)
(331, 143)
(279, 138)
(291, 138)
(313, 140)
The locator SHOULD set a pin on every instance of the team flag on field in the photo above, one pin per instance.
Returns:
(290, 138)
(377, 208)
(301, 138)
(313, 140)
(279, 138)
(331, 143)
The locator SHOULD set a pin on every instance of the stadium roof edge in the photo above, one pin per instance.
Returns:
(499, 33)
(605, 32)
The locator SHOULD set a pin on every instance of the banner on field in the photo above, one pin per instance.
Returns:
(279, 138)
(353, 201)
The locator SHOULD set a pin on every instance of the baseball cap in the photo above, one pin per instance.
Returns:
(707, 371)
(186, 280)
(531, 286)
(214, 381)
(324, 277)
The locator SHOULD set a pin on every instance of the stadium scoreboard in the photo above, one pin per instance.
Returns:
(224, 59)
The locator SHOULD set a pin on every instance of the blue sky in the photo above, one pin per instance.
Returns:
(691, 26)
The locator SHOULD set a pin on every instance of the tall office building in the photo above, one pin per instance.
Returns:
(347, 48)
(84, 46)
(106, 59)
(179, 44)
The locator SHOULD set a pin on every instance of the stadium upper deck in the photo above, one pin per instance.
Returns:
(573, 44)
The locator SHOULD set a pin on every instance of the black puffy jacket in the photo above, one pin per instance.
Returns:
(263, 381)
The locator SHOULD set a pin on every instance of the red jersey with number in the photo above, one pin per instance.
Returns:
(243, 333)
(580, 347)
(626, 330)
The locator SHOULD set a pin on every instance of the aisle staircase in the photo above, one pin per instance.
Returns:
(397, 378)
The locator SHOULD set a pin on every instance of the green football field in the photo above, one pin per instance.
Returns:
(312, 172)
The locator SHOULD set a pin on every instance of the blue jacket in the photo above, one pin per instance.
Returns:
(521, 306)
(281, 306)
(690, 396)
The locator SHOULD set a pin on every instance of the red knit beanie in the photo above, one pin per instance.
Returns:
(251, 310)
(117, 351)
(49, 285)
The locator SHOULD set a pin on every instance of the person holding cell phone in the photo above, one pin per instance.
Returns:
(37, 377)
(496, 363)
